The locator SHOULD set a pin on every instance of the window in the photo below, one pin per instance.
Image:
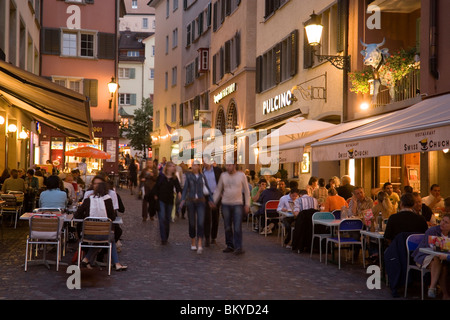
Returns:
(167, 44)
(70, 83)
(133, 54)
(332, 35)
(78, 44)
(127, 99)
(228, 58)
(174, 76)
(175, 38)
(222, 9)
(175, 5)
(152, 73)
(272, 6)
(127, 73)
(145, 23)
(190, 73)
(167, 8)
(277, 64)
(173, 114)
(166, 80)
(157, 119)
(153, 50)
(134, 4)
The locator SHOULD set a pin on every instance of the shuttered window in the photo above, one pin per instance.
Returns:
(50, 41)
(277, 64)
(90, 88)
(106, 45)
(227, 59)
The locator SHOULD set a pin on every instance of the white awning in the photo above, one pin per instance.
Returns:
(326, 133)
(422, 127)
(45, 101)
(294, 128)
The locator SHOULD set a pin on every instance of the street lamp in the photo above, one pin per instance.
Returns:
(314, 33)
(112, 87)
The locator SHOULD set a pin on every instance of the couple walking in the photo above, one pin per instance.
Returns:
(202, 193)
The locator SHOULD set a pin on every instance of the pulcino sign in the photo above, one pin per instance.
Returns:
(221, 148)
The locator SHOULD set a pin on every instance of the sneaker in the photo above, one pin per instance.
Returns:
(200, 250)
(193, 248)
(267, 229)
(228, 249)
(432, 293)
(239, 252)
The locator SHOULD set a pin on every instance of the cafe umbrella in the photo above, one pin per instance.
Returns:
(88, 152)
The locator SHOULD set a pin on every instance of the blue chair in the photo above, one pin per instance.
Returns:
(346, 225)
(412, 242)
(337, 214)
(321, 236)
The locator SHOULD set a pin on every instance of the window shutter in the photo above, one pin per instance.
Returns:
(294, 53)
(132, 73)
(308, 54)
(222, 62)
(238, 49)
(106, 46)
(51, 41)
(215, 19)
(214, 69)
(259, 74)
(89, 1)
(208, 15)
(222, 11)
(133, 99)
(227, 56)
(227, 7)
(181, 114)
(90, 89)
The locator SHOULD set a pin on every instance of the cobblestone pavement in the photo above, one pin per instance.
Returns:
(266, 271)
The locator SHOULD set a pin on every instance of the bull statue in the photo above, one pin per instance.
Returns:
(376, 57)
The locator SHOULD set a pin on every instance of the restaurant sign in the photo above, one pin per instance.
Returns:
(225, 92)
(277, 103)
(433, 139)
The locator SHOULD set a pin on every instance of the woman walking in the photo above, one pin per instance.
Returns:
(196, 192)
(164, 190)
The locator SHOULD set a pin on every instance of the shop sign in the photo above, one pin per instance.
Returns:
(277, 103)
(225, 92)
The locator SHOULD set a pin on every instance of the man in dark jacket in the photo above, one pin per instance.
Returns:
(212, 175)
(273, 193)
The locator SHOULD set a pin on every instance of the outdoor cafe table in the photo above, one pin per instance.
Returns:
(433, 252)
(376, 235)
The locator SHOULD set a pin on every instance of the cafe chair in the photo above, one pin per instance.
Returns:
(45, 229)
(345, 226)
(321, 236)
(270, 205)
(12, 205)
(59, 211)
(96, 233)
(336, 214)
(412, 242)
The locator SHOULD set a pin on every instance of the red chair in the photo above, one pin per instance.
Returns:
(270, 205)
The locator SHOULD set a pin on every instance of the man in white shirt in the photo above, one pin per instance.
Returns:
(434, 200)
(289, 203)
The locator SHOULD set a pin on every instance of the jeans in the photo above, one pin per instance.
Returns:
(211, 222)
(232, 218)
(93, 251)
(164, 217)
(196, 216)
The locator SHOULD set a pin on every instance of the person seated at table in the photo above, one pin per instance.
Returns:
(267, 195)
(334, 201)
(383, 205)
(102, 178)
(289, 203)
(438, 264)
(345, 190)
(434, 200)
(77, 178)
(421, 208)
(68, 186)
(85, 210)
(53, 197)
(359, 203)
(388, 188)
(406, 220)
(14, 183)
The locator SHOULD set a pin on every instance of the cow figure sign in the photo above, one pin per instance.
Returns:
(376, 57)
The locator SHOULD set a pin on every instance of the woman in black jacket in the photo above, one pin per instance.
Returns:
(164, 190)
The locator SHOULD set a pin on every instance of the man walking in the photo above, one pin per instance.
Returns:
(235, 194)
(212, 175)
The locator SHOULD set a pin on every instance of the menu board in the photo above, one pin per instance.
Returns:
(111, 147)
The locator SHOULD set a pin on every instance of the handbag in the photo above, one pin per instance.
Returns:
(205, 187)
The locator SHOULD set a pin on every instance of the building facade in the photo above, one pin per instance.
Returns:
(79, 52)
(19, 46)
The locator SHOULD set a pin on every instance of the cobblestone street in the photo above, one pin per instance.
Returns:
(266, 271)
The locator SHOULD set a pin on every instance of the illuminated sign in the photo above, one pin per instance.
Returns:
(225, 92)
(277, 103)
